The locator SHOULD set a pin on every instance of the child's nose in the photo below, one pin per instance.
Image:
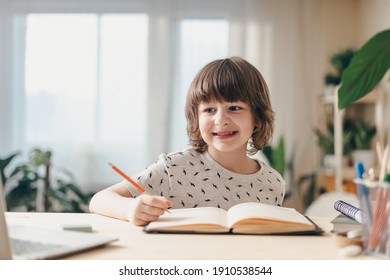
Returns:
(222, 118)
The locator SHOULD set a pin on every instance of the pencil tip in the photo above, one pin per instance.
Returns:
(110, 164)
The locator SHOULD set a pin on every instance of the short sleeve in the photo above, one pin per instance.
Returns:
(154, 179)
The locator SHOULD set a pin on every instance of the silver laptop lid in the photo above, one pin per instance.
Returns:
(66, 242)
(5, 250)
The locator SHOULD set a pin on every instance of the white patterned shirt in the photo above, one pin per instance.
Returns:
(192, 179)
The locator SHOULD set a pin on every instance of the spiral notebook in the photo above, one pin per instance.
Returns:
(349, 210)
(350, 217)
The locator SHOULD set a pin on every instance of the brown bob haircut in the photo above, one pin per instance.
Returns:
(230, 80)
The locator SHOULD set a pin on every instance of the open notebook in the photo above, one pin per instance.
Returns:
(25, 242)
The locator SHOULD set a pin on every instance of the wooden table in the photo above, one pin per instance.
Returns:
(133, 243)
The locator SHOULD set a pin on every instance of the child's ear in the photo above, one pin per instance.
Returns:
(254, 130)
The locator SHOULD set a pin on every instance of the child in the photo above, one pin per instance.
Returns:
(229, 117)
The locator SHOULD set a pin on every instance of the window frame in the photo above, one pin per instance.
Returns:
(163, 19)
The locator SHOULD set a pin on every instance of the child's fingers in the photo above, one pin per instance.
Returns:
(143, 218)
(156, 201)
(147, 208)
(152, 210)
(141, 214)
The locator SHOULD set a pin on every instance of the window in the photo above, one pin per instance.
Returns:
(86, 88)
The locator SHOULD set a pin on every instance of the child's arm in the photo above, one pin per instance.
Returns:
(117, 202)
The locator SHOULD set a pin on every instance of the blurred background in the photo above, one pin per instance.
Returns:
(92, 81)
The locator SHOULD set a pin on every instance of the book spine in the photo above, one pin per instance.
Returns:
(349, 210)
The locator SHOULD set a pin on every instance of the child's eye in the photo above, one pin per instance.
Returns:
(234, 108)
(209, 110)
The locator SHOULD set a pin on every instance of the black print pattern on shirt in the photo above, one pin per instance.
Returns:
(190, 179)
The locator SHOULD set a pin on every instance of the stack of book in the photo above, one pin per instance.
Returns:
(350, 217)
(343, 224)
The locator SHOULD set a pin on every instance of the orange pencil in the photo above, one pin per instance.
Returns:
(131, 181)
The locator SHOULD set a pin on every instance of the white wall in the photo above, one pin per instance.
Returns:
(373, 16)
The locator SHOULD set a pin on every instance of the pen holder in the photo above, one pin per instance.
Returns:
(375, 205)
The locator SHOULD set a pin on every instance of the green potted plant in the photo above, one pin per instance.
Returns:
(276, 156)
(362, 139)
(326, 142)
(59, 192)
(366, 70)
(340, 62)
(302, 190)
(363, 135)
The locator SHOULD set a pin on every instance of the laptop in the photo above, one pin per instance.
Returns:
(25, 242)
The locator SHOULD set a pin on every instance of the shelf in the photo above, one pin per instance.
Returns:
(348, 174)
(370, 98)
(326, 182)
(374, 100)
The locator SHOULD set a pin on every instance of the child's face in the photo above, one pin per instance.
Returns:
(226, 126)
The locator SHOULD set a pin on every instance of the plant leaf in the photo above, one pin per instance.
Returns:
(367, 68)
(4, 163)
(275, 156)
(24, 194)
(278, 157)
(267, 151)
(61, 198)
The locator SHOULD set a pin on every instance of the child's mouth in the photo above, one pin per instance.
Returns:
(224, 133)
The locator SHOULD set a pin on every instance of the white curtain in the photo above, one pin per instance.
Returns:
(280, 37)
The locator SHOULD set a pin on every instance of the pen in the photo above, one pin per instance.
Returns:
(363, 191)
(131, 181)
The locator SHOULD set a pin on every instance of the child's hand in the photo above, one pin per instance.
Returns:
(146, 208)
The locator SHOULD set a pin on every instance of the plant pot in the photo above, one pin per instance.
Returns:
(329, 90)
(367, 157)
(329, 161)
